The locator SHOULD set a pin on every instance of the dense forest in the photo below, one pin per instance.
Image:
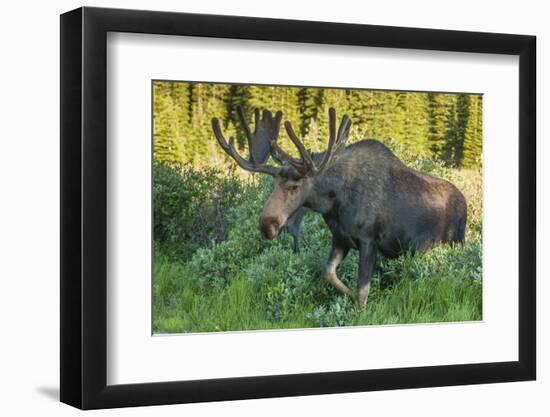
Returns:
(441, 125)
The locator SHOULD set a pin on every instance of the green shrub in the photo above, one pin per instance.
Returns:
(190, 207)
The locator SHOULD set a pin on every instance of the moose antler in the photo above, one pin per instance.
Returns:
(260, 141)
(306, 166)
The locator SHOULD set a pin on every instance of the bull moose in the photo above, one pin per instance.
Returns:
(368, 198)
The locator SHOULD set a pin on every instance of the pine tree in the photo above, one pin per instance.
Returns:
(474, 133)
(215, 106)
(438, 119)
(165, 125)
(360, 111)
(415, 133)
(179, 94)
(310, 101)
(462, 118)
(391, 115)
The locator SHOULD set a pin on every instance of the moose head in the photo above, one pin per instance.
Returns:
(294, 178)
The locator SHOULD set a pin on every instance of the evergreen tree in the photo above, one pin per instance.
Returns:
(310, 101)
(473, 133)
(458, 116)
(179, 93)
(165, 125)
(361, 112)
(391, 115)
(438, 119)
(415, 133)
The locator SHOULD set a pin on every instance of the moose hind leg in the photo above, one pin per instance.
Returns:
(367, 258)
(337, 253)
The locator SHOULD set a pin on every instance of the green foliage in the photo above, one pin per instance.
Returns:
(189, 207)
(445, 126)
(240, 282)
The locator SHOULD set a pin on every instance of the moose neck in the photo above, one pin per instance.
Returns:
(323, 194)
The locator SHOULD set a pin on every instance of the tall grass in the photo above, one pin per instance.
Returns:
(237, 281)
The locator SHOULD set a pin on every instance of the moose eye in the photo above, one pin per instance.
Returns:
(292, 187)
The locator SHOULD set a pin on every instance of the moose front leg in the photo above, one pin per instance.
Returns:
(367, 258)
(338, 252)
(293, 226)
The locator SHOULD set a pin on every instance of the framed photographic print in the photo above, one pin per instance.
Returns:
(256, 207)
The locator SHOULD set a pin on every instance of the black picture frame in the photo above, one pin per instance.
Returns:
(84, 207)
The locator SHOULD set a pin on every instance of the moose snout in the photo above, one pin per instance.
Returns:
(270, 227)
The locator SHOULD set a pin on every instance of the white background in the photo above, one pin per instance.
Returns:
(30, 175)
(133, 60)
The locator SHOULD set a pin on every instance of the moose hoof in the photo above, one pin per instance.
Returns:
(362, 299)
